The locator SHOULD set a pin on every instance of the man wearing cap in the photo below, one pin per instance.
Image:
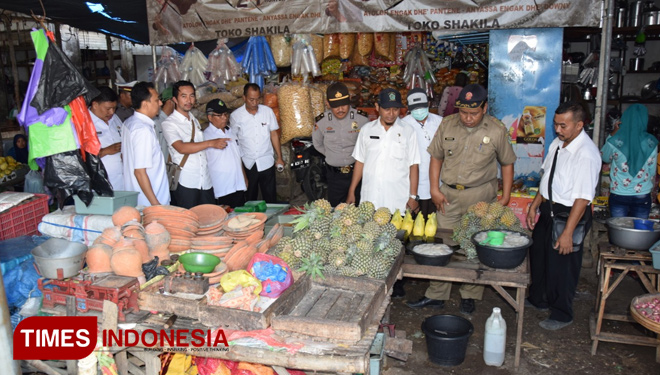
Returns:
(425, 125)
(108, 130)
(144, 167)
(387, 158)
(124, 106)
(186, 141)
(225, 166)
(465, 152)
(334, 136)
(165, 111)
(255, 127)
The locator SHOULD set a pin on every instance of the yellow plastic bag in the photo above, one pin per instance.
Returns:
(181, 364)
(231, 280)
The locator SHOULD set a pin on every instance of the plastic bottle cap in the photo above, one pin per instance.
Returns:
(496, 310)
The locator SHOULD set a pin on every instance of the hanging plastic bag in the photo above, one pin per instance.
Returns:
(296, 111)
(274, 274)
(193, 66)
(167, 71)
(34, 183)
(65, 173)
(222, 64)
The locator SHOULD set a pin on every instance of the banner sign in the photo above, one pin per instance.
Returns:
(174, 21)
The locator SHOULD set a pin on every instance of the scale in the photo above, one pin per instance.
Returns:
(91, 291)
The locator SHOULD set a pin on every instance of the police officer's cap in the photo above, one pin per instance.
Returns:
(338, 95)
(472, 96)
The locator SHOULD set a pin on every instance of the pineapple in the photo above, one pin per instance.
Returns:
(361, 261)
(339, 243)
(509, 219)
(371, 230)
(337, 258)
(392, 249)
(284, 245)
(322, 207)
(480, 209)
(379, 267)
(349, 216)
(353, 233)
(320, 228)
(382, 216)
(496, 209)
(349, 271)
(341, 206)
(313, 266)
(330, 270)
(302, 244)
(365, 211)
(291, 260)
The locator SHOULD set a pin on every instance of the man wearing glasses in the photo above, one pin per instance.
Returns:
(225, 167)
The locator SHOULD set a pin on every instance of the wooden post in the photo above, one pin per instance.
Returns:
(12, 57)
(109, 322)
(111, 61)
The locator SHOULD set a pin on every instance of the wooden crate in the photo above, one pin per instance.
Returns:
(150, 299)
(336, 307)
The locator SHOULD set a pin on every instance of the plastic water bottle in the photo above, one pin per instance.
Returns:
(495, 339)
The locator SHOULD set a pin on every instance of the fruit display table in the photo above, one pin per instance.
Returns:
(460, 270)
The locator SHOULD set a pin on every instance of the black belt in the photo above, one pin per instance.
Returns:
(344, 170)
(458, 187)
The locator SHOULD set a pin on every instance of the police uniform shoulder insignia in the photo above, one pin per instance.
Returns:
(329, 116)
(319, 117)
(363, 113)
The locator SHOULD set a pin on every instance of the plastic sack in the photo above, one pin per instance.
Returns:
(274, 273)
(193, 66)
(365, 43)
(21, 284)
(167, 71)
(66, 174)
(383, 42)
(34, 183)
(296, 111)
(346, 45)
(330, 46)
(258, 60)
(316, 42)
(231, 280)
(280, 46)
(222, 64)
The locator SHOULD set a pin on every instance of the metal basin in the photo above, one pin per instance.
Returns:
(59, 259)
(622, 233)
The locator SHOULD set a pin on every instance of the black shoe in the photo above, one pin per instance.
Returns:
(467, 306)
(436, 303)
(397, 289)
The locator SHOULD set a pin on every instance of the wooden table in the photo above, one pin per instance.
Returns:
(613, 258)
(460, 270)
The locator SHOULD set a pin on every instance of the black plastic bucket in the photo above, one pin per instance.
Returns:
(447, 338)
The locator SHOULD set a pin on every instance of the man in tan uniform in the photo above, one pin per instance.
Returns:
(464, 154)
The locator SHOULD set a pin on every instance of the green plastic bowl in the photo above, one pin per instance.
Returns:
(199, 262)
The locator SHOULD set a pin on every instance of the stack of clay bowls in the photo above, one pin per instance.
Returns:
(210, 219)
(216, 245)
(182, 224)
(245, 225)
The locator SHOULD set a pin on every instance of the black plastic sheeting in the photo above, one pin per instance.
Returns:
(60, 82)
(67, 174)
(130, 21)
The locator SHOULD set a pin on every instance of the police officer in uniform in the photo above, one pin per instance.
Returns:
(334, 136)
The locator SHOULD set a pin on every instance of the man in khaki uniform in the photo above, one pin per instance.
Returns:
(334, 136)
(464, 154)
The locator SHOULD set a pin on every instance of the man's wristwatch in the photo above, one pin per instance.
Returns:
(415, 197)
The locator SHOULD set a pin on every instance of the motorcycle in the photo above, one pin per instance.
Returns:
(308, 166)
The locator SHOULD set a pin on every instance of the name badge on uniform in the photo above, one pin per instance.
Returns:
(354, 125)
(264, 123)
(374, 137)
(449, 138)
(99, 133)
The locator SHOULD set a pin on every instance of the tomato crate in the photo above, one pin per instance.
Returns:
(23, 219)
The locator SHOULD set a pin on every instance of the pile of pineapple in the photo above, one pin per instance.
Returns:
(348, 241)
(7, 166)
(484, 216)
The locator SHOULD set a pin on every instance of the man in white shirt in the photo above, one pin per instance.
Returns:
(255, 127)
(387, 156)
(108, 130)
(573, 163)
(425, 125)
(165, 111)
(186, 141)
(144, 167)
(225, 166)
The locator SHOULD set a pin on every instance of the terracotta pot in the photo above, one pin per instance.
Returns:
(98, 259)
(157, 236)
(154, 228)
(126, 214)
(123, 244)
(160, 251)
(143, 249)
(127, 262)
(134, 233)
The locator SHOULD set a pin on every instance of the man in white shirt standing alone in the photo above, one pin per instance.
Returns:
(255, 126)
(186, 141)
(108, 129)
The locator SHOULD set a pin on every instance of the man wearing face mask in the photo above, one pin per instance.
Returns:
(425, 125)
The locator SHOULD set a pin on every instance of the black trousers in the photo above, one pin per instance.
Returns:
(554, 276)
(189, 198)
(233, 200)
(338, 184)
(264, 180)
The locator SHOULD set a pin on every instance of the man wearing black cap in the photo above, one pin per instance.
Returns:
(465, 152)
(387, 157)
(225, 166)
(334, 136)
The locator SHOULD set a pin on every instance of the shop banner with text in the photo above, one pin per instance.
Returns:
(173, 21)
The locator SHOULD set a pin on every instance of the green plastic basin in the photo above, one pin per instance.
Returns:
(199, 262)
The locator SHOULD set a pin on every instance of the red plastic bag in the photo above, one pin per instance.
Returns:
(271, 288)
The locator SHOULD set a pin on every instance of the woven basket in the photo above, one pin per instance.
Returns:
(641, 319)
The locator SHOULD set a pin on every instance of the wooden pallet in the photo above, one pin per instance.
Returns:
(336, 307)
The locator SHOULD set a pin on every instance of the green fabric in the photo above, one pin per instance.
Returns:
(632, 139)
(47, 140)
(40, 43)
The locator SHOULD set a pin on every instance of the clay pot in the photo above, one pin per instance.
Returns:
(160, 251)
(127, 262)
(125, 214)
(109, 237)
(122, 244)
(143, 249)
(98, 258)
(134, 233)
(156, 236)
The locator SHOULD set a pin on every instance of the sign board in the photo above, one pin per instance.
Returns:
(174, 21)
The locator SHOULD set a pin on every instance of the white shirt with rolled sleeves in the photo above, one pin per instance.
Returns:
(195, 173)
(141, 149)
(576, 172)
(225, 165)
(387, 157)
(109, 134)
(253, 134)
(425, 134)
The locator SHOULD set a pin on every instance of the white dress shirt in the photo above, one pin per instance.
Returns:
(109, 134)
(425, 134)
(195, 173)
(576, 172)
(253, 133)
(387, 157)
(141, 150)
(225, 165)
(158, 127)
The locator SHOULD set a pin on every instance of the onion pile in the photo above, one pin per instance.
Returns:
(650, 310)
